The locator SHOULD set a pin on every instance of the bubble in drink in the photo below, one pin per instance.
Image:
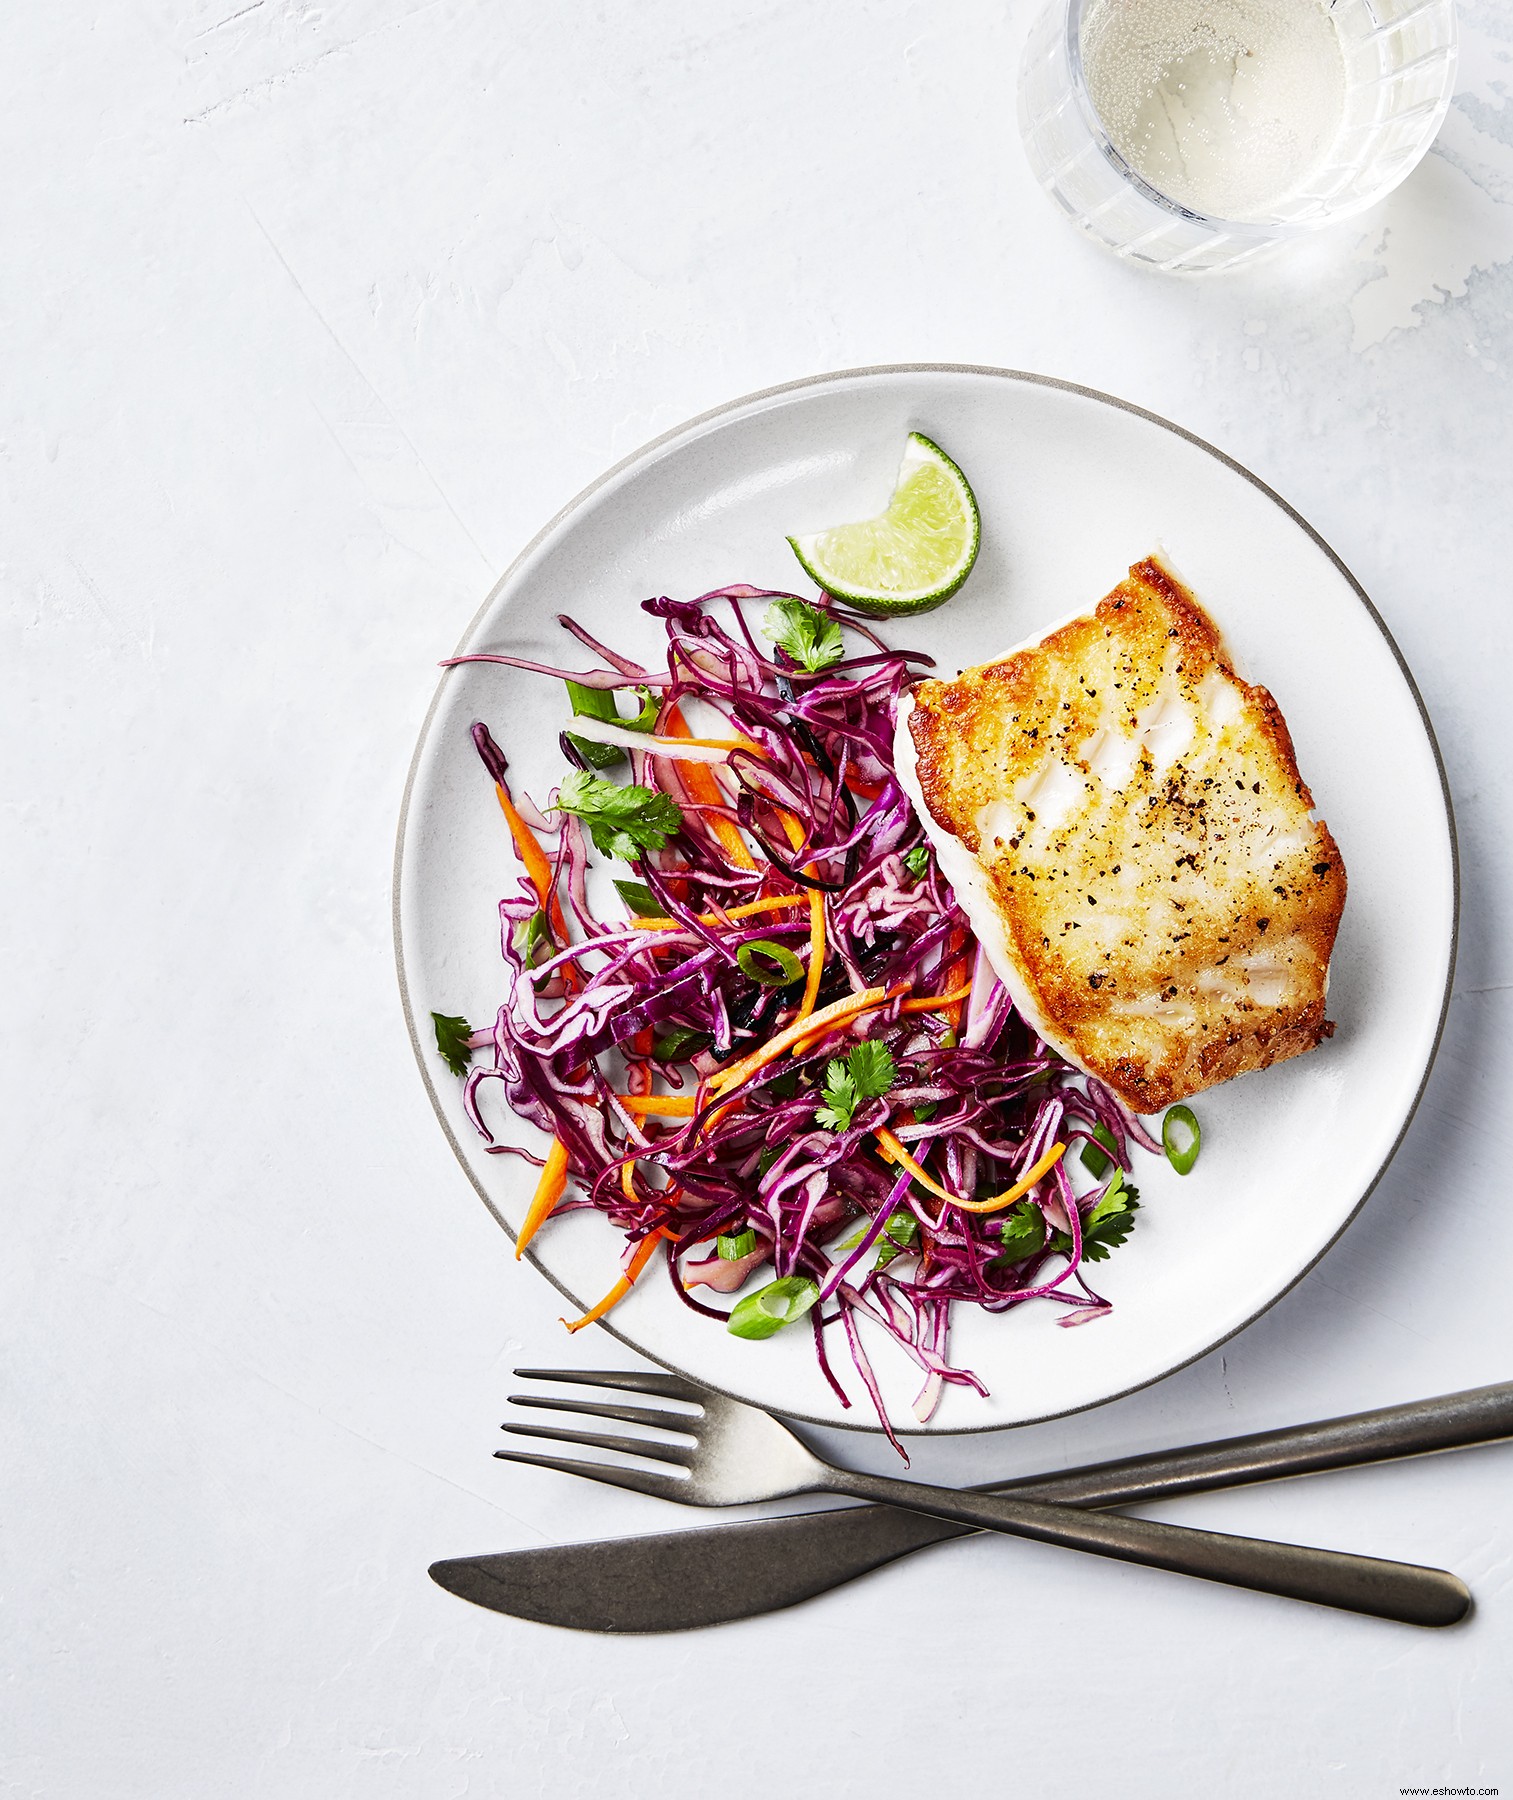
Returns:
(1224, 106)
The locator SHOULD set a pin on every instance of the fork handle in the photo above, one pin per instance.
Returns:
(1363, 1584)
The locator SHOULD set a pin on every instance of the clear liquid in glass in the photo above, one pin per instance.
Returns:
(1224, 106)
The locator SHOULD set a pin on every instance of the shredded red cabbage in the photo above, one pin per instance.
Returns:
(621, 1010)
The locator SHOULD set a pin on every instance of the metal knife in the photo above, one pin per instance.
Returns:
(675, 1580)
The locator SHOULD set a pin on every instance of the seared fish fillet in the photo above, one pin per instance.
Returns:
(1124, 823)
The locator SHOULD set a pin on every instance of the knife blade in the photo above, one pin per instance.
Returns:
(676, 1580)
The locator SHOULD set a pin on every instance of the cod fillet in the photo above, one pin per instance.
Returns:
(1124, 823)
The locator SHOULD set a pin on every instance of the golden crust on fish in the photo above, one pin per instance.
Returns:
(1145, 871)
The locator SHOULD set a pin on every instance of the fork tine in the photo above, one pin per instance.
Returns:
(682, 1454)
(643, 1481)
(631, 1381)
(622, 1415)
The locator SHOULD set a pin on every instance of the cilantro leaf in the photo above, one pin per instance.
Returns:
(1107, 1226)
(622, 821)
(841, 1099)
(917, 860)
(1023, 1231)
(452, 1036)
(809, 637)
(866, 1074)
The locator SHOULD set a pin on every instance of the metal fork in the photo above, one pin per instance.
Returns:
(735, 1454)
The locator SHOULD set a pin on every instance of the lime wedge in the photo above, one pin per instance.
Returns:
(911, 557)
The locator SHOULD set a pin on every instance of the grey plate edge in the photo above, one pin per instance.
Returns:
(859, 374)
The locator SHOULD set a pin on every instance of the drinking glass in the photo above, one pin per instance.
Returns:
(1399, 68)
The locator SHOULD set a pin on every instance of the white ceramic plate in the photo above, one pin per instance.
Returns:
(1073, 488)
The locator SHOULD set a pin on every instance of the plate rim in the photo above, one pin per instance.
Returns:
(862, 373)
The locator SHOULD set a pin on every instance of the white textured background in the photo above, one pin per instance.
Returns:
(311, 315)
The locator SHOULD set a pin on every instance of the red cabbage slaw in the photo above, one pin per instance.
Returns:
(641, 1045)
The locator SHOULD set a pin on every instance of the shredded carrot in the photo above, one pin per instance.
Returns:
(704, 789)
(659, 745)
(659, 1106)
(894, 1151)
(643, 1255)
(937, 1001)
(1022, 1186)
(795, 833)
(747, 909)
(548, 1193)
(816, 1024)
(536, 864)
(960, 971)
(628, 1180)
(816, 952)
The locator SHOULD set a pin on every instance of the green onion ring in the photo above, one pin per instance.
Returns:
(783, 969)
(769, 1309)
(1181, 1138)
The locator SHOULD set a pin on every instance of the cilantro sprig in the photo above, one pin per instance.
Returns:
(865, 1073)
(917, 860)
(622, 821)
(1107, 1226)
(809, 637)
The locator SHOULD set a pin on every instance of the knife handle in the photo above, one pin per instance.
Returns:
(1406, 1592)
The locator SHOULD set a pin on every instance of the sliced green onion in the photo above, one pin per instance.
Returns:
(732, 1246)
(782, 968)
(594, 703)
(532, 935)
(680, 1044)
(769, 1156)
(1093, 1159)
(898, 1235)
(643, 903)
(1181, 1138)
(923, 1114)
(903, 1228)
(646, 719)
(769, 1309)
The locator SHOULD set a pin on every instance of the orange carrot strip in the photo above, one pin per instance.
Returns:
(659, 1106)
(703, 788)
(1022, 1186)
(747, 909)
(548, 1193)
(658, 745)
(938, 1001)
(795, 833)
(816, 952)
(958, 971)
(894, 1151)
(536, 863)
(622, 1287)
(846, 1007)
